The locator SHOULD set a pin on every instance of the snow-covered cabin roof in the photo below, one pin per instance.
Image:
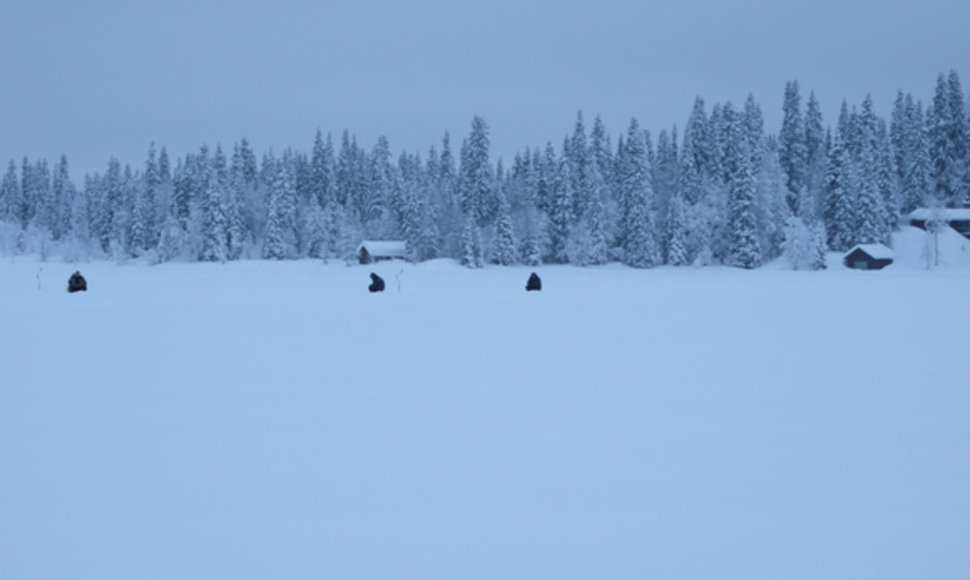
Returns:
(389, 249)
(946, 213)
(877, 251)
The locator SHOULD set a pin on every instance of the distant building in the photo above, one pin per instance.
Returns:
(868, 257)
(956, 218)
(377, 251)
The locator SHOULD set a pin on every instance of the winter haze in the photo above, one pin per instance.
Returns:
(100, 79)
(702, 388)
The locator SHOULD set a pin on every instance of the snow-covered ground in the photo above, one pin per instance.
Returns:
(274, 420)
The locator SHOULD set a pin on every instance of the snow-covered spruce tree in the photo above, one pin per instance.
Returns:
(475, 188)
(948, 141)
(323, 179)
(51, 207)
(141, 220)
(744, 251)
(280, 242)
(676, 232)
(143, 229)
(351, 176)
(429, 236)
(717, 135)
(532, 249)
(694, 155)
(63, 192)
(888, 186)
(479, 247)
(214, 231)
(9, 193)
(237, 233)
(791, 145)
(815, 161)
(708, 219)
(181, 204)
(77, 233)
(666, 185)
(197, 173)
(560, 214)
(504, 251)
(532, 220)
(941, 149)
(577, 156)
(23, 205)
(771, 204)
(408, 200)
(839, 214)
(171, 239)
(378, 221)
(251, 199)
(600, 149)
(274, 247)
(435, 211)
(541, 168)
(471, 243)
(701, 184)
(120, 247)
(960, 127)
(97, 223)
(819, 248)
(443, 184)
(916, 187)
(152, 183)
(636, 193)
(110, 209)
(315, 230)
(39, 194)
(869, 212)
(214, 234)
(899, 135)
(874, 223)
(588, 240)
(175, 242)
(804, 245)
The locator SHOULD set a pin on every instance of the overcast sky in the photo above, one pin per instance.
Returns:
(96, 79)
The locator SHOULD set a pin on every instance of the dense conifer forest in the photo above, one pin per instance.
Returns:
(723, 190)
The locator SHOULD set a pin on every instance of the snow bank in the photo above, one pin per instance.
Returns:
(915, 248)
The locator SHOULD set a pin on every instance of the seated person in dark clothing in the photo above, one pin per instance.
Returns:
(534, 283)
(377, 283)
(77, 283)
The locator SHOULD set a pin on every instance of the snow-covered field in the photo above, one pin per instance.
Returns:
(274, 420)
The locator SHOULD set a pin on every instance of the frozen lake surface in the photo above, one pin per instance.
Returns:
(275, 420)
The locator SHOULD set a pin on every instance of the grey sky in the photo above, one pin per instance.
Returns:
(96, 79)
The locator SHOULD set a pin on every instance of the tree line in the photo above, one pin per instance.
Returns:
(724, 191)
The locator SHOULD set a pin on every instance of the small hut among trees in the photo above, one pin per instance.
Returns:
(957, 218)
(377, 251)
(869, 257)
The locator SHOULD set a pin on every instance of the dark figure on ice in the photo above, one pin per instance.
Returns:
(534, 283)
(377, 283)
(77, 283)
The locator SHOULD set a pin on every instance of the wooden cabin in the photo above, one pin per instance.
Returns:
(956, 218)
(868, 257)
(370, 251)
